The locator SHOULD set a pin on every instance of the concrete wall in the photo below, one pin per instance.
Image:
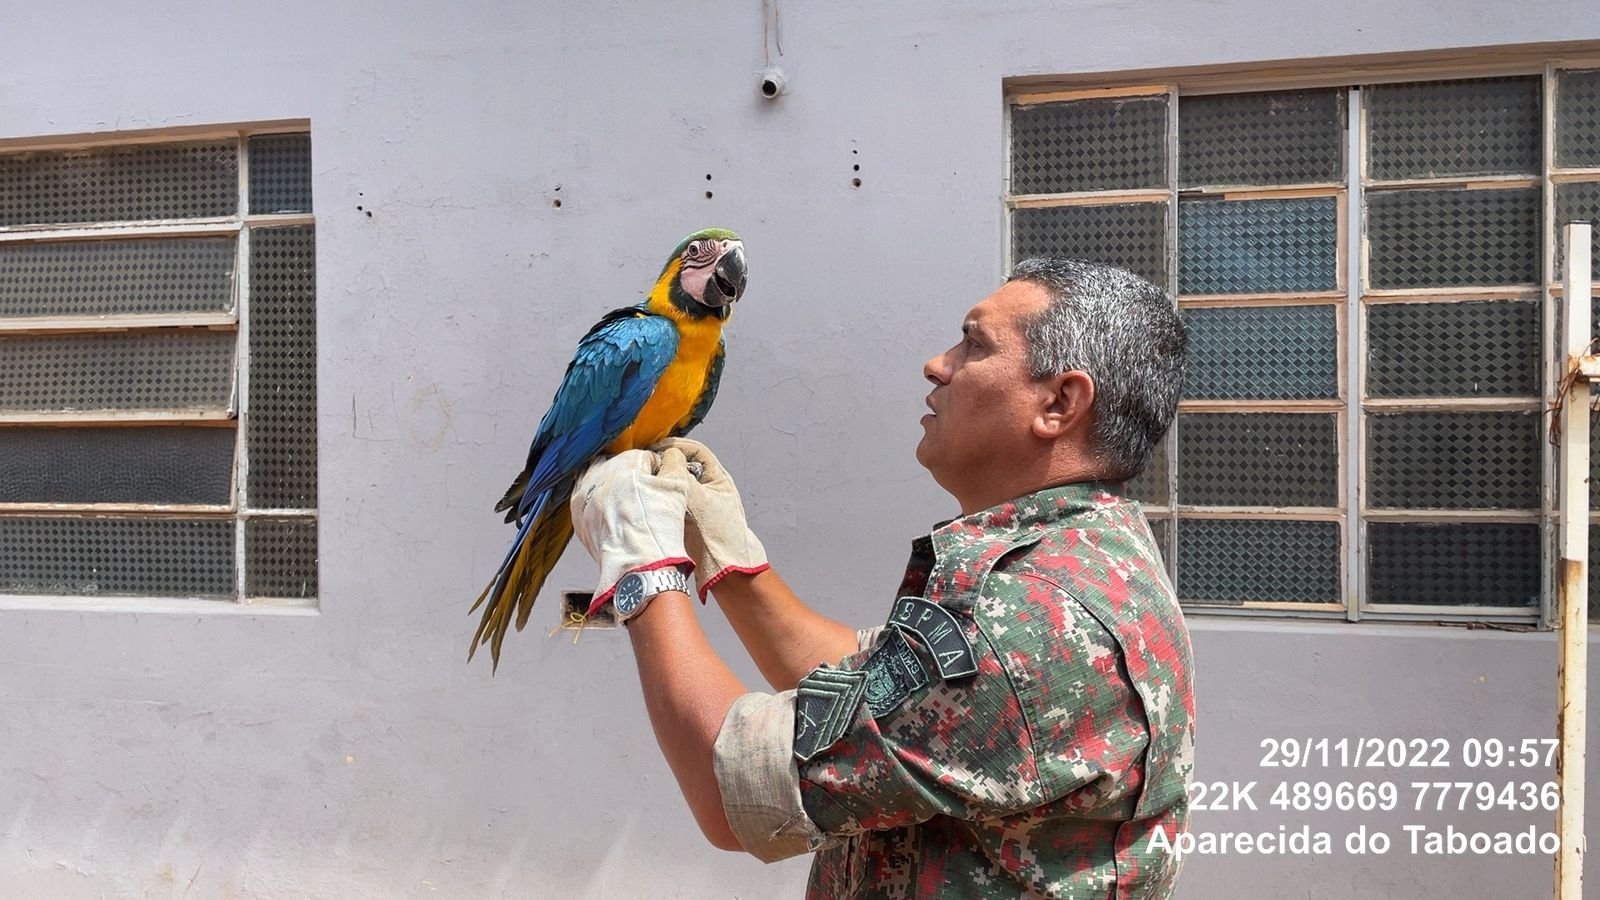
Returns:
(353, 753)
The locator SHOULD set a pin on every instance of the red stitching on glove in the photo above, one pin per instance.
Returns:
(682, 562)
(731, 570)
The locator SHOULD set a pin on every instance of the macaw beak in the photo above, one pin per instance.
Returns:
(727, 281)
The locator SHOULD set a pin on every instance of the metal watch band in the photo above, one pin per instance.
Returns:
(636, 588)
(670, 578)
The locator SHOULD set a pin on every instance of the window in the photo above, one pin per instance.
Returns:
(158, 368)
(1367, 262)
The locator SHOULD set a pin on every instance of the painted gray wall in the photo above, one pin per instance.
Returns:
(353, 753)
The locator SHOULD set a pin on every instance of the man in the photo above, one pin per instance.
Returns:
(1023, 725)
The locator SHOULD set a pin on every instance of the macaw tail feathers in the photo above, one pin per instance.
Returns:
(540, 542)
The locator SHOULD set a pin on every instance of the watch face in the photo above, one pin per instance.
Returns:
(630, 593)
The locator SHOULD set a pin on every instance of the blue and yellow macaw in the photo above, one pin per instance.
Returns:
(642, 374)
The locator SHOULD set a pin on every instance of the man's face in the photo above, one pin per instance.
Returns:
(983, 400)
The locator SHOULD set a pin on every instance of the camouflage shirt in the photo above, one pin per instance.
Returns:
(1021, 726)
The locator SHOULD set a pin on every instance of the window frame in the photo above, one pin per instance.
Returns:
(240, 226)
(1353, 299)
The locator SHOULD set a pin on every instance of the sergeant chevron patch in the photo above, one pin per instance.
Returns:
(941, 633)
(824, 705)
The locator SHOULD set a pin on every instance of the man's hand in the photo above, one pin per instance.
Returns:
(717, 537)
(629, 511)
(785, 637)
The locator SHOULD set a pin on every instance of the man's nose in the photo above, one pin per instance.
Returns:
(934, 370)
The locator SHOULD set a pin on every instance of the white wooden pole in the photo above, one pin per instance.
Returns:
(1572, 693)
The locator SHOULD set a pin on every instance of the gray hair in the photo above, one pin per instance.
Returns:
(1123, 332)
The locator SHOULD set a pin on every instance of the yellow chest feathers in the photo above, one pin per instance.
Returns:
(679, 389)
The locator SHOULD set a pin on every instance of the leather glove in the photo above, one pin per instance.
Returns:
(717, 535)
(628, 511)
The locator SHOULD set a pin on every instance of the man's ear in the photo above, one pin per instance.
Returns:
(1068, 403)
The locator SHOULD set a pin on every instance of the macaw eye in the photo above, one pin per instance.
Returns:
(699, 252)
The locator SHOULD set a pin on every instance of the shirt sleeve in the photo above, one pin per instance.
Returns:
(904, 747)
(920, 744)
(755, 766)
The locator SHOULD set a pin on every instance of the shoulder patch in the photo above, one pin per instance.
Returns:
(940, 631)
(824, 704)
(893, 672)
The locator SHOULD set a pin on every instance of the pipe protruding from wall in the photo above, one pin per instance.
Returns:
(772, 82)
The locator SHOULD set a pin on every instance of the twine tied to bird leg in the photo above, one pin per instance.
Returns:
(574, 620)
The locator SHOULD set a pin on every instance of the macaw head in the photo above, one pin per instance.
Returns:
(710, 273)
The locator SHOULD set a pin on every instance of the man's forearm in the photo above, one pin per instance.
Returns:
(785, 637)
(688, 691)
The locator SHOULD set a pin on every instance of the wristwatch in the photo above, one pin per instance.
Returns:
(637, 588)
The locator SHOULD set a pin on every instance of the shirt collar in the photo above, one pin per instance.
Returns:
(1014, 519)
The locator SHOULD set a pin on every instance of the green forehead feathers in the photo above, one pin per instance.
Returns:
(717, 234)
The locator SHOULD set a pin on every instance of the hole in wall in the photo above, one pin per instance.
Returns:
(575, 603)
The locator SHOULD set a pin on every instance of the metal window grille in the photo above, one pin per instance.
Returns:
(117, 277)
(1258, 246)
(1236, 561)
(1462, 349)
(132, 183)
(1258, 459)
(1262, 353)
(1089, 145)
(1367, 274)
(158, 370)
(1484, 126)
(1130, 235)
(1273, 137)
(1577, 120)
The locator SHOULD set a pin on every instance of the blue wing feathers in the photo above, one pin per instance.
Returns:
(612, 374)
